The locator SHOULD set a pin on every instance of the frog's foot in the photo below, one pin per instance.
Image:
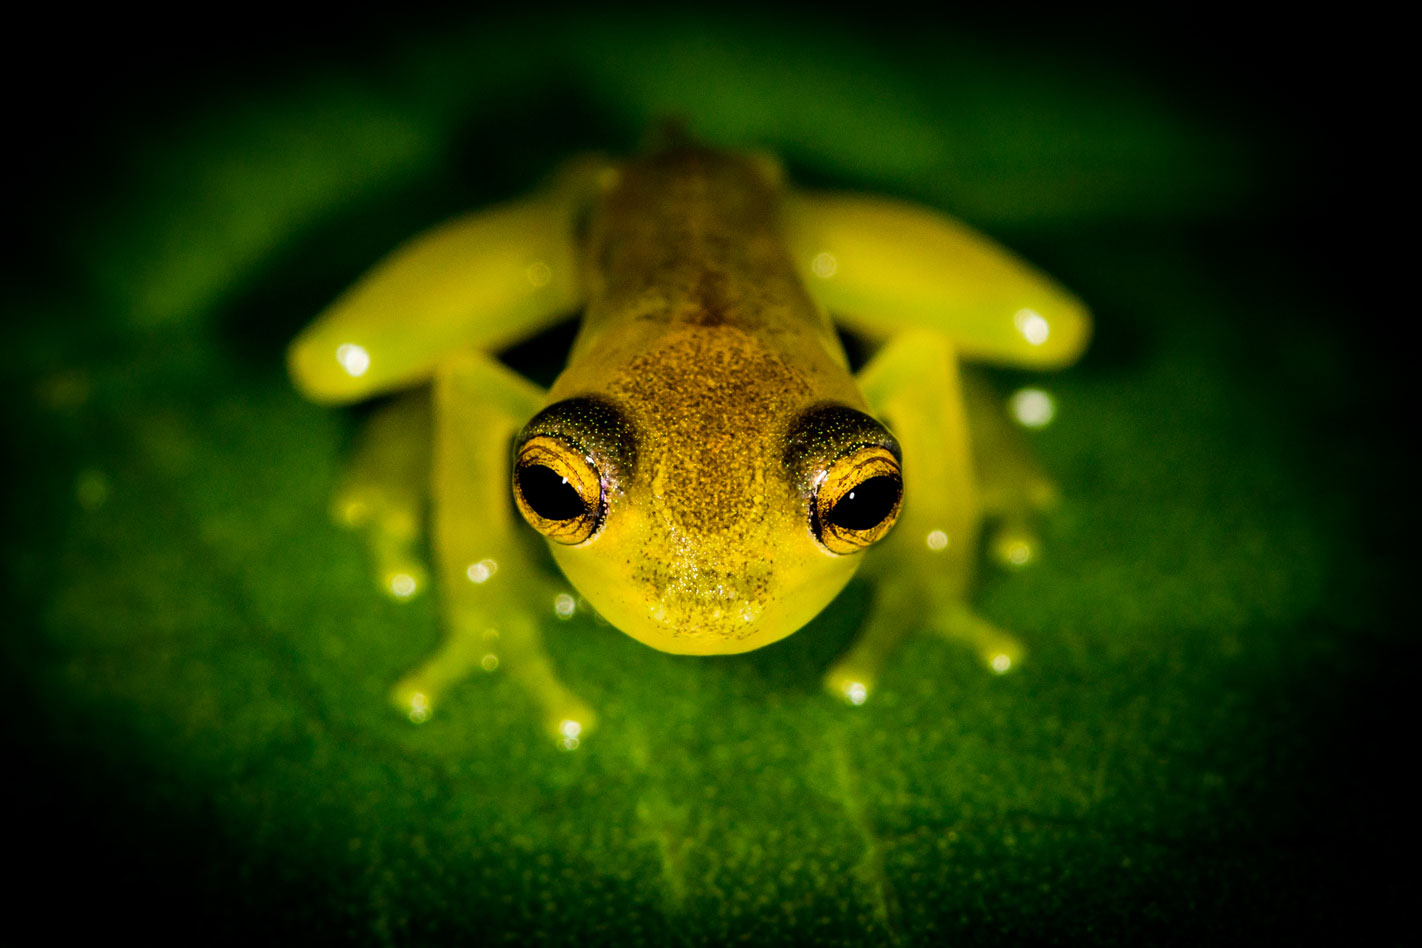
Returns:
(998, 650)
(1013, 490)
(854, 676)
(390, 528)
(419, 692)
(563, 716)
(512, 647)
(1013, 540)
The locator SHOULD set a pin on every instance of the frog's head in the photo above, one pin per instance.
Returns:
(707, 513)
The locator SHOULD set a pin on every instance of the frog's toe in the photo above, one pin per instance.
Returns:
(849, 684)
(570, 724)
(565, 717)
(1014, 544)
(1003, 656)
(412, 700)
(352, 507)
(401, 577)
(1000, 651)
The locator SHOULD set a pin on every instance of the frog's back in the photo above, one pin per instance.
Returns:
(691, 237)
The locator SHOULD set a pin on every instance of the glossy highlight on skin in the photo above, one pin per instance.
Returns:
(706, 469)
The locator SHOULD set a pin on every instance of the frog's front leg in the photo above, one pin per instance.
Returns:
(923, 570)
(495, 595)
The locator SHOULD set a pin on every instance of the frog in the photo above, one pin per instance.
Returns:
(707, 471)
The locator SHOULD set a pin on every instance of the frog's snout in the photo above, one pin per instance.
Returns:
(701, 605)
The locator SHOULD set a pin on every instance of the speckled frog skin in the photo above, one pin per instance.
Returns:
(707, 470)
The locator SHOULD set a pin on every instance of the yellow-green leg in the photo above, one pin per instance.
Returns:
(385, 490)
(1014, 491)
(922, 572)
(495, 595)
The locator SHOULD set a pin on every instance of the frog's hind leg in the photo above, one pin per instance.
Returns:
(481, 281)
(882, 267)
(1013, 489)
(384, 492)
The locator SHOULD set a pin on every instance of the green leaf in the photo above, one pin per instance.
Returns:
(200, 661)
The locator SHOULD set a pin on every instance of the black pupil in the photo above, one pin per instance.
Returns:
(550, 496)
(866, 505)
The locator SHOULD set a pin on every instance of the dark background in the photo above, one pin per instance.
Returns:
(142, 832)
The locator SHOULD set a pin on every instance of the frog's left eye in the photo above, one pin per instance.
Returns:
(858, 500)
(558, 490)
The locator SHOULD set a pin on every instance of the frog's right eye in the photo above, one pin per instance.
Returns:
(558, 490)
(848, 466)
(858, 501)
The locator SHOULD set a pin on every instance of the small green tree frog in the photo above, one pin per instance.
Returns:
(707, 471)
